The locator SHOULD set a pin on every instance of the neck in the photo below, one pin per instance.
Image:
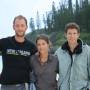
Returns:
(19, 39)
(43, 56)
(73, 46)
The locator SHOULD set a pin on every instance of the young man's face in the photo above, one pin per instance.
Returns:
(20, 27)
(72, 35)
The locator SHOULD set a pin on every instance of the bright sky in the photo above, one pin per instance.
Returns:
(11, 8)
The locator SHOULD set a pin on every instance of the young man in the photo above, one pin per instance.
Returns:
(74, 61)
(16, 52)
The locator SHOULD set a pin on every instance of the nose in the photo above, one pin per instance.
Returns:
(20, 28)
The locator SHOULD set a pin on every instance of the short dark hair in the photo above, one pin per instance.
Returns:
(45, 38)
(20, 17)
(72, 25)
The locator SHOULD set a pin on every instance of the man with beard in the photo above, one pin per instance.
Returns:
(16, 52)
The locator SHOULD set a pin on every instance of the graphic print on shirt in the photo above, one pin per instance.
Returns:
(18, 52)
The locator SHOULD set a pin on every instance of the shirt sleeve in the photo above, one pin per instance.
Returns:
(1, 45)
(32, 75)
(88, 86)
(31, 64)
(57, 67)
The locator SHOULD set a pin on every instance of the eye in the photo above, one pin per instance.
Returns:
(17, 25)
(43, 43)
(22, 25)
(69, 33)
(74, 33)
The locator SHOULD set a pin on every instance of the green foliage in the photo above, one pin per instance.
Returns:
(85, 37)
(55, 21)
(0, 53)
(57, 38)
(57, 18)
(32, 25)
(38, 21)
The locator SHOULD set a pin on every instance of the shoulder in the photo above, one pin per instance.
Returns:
(59, 50)
(32, 46)
(4, 40)
(33, 58)
(86, 48)
(30, 43)
(53, 57)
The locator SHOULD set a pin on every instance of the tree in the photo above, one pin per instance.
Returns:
(54, 17)
(38, 21)
(77, 10)
(32, 26)
(49, 21)
(70, 6)
(45, 22)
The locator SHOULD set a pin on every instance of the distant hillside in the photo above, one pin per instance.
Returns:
(57, 38)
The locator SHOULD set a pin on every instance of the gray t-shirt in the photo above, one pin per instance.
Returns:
(45, 74)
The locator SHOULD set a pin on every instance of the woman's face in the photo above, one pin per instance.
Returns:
(72, 35)
(42, 46)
